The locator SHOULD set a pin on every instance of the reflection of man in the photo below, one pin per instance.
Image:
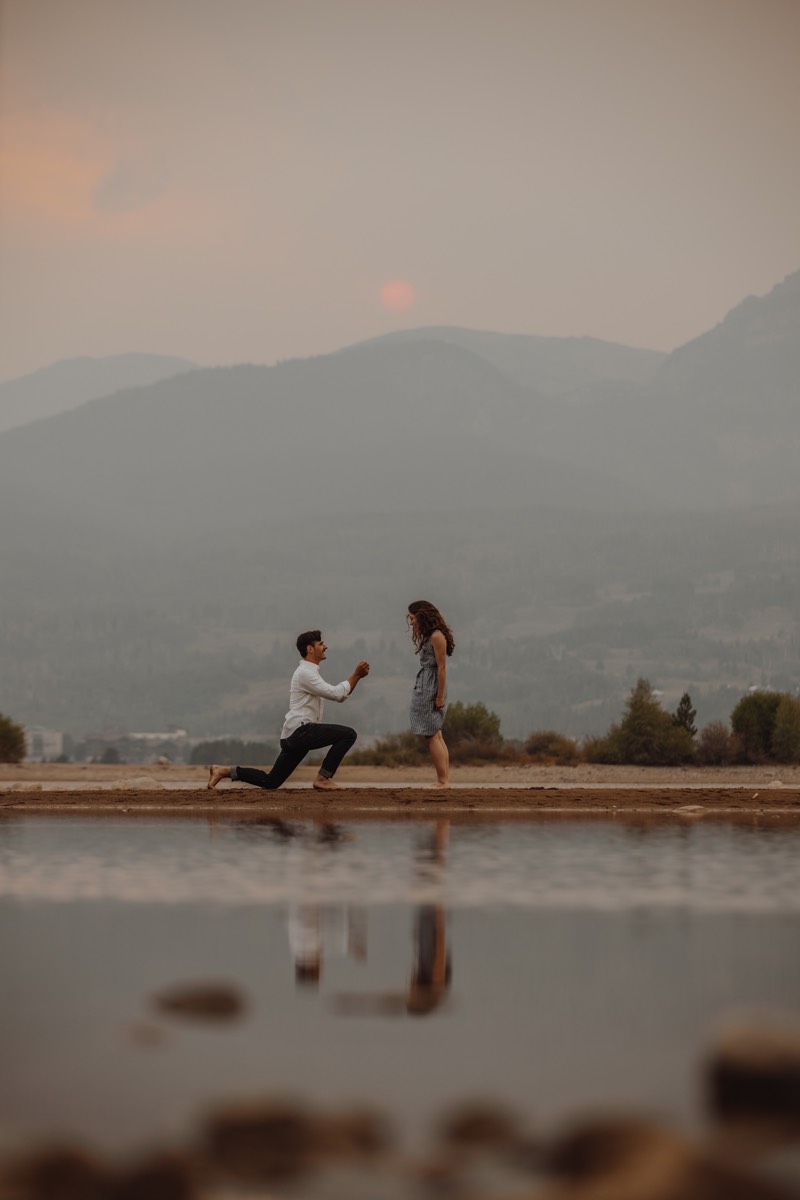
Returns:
(303, 728)
(314, 928)
(317, 930)
(305, 940)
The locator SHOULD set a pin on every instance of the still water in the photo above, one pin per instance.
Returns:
(555, 966)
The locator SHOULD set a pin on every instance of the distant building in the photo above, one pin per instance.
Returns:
(134, 747)
(152, 739)
(150, 747)
(43, 744)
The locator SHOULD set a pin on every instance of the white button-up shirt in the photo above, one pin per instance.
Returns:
(308, 692)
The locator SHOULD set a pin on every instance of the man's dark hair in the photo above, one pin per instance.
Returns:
(307, 639)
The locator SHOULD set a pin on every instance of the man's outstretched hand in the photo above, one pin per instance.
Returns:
(361, 670)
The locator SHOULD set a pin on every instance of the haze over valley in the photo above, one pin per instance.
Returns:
(582, 511)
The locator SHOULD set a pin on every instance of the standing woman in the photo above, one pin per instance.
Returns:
(434, 644)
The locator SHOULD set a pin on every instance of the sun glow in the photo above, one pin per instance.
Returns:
(397, 294)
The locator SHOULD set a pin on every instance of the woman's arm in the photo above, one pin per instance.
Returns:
(439, 644)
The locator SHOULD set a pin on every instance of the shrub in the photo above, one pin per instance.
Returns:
(477, 751)
(716, 746)
(546, 745)
(472, 734)
(397, 750)
(12, 741)
(471, 723)
(603, 748)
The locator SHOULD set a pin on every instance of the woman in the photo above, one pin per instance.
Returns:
(434, 643)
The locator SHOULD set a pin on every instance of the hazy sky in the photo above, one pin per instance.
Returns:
(240, 180)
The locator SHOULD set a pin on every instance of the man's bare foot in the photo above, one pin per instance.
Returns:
(216, 775)
(323, 784)
(440, 784)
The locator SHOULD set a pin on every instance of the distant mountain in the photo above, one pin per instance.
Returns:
(738, 389)
(718, 426)
(73, 381)
(714, 424)
(162, 543)
(378, 428)
(549, 365)
(750, 359)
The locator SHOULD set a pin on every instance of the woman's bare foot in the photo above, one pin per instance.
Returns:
(323, 784)
(216, 775)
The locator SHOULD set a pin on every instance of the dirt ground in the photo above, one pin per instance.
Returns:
(374, 791)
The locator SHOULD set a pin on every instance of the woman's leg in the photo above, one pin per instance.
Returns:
(440, 759)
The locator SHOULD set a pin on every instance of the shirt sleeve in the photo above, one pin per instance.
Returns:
(316, 685)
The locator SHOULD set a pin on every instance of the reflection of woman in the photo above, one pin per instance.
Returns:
(430, 978)
(434, 643)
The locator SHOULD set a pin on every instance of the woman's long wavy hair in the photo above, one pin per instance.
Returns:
(429, 619)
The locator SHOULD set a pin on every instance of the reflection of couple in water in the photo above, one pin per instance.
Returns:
(342, 930)
(303, 727)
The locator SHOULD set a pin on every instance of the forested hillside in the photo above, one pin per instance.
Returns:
(556, 614)
(585, 515)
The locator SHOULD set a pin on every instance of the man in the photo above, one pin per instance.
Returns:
(303, 729)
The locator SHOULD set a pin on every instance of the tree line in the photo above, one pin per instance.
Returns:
(764, 727)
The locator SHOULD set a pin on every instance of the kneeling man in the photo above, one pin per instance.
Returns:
(303, 730)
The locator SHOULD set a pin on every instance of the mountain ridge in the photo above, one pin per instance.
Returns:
(68, 383)
(161, 541)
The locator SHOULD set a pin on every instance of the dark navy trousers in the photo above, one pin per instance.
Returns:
(312, 736)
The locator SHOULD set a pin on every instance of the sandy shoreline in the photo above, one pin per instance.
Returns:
(383, 792)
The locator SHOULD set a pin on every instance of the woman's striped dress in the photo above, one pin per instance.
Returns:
(425, 717)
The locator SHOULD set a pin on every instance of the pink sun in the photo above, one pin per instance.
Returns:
(397, 294)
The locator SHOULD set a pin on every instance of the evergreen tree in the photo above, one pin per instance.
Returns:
(684, 715)
(646, 735)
